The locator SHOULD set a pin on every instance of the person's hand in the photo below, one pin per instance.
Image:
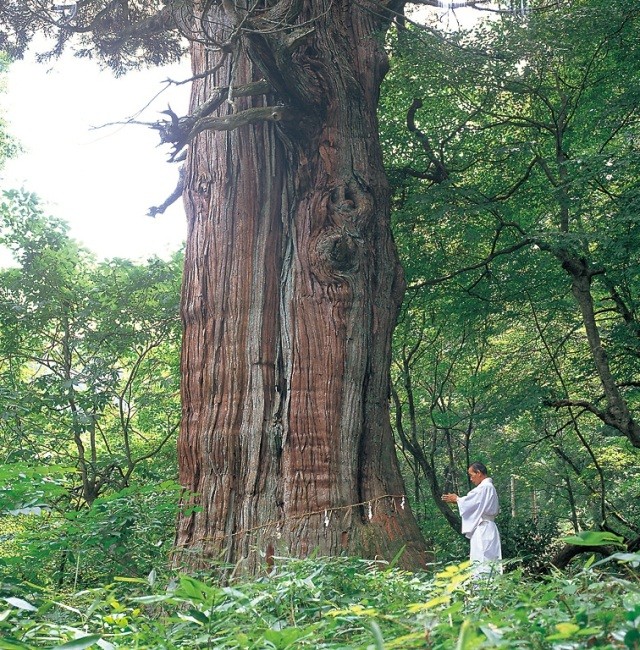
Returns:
(450, 498)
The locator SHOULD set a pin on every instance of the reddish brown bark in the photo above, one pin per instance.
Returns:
(291, 291)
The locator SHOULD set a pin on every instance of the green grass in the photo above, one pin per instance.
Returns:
(334, 603)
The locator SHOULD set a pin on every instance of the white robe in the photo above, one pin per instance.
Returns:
(478, 511)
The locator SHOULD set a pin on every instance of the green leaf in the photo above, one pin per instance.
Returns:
(79, 644)
(199, 616)
(594, 538)
(188, 618)
(468, 639)
(414, 608)
(195, 589)
(141, 581)
(285, 637)
(631, 558)
(377, 635)
(406, 641)
(396, 557)
(13, 644)
(21, 604)
(632, 639)
(564, 631)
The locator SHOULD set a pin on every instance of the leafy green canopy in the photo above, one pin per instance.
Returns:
(513, 154)
(89, 404)
(88, 353)
(122, 35)
(8, 146)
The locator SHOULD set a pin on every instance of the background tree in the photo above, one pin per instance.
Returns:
(8, 146)
(89, 357)
(514, 160)
(88, 353)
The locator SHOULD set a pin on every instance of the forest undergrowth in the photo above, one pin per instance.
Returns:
(334, 603)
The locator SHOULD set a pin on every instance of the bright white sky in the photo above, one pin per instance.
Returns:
(102, 182)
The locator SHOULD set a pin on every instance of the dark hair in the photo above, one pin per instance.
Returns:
(479, 467)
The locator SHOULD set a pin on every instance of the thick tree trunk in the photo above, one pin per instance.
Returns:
(291, 291)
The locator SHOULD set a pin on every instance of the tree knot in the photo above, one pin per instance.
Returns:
(338, 250)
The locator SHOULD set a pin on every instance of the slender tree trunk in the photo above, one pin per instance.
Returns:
(291, 291)
(572, 504)
(513, 497)
(617, 413)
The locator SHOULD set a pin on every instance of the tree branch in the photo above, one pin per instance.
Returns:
(180, 130)
(236, 120)
(474, 267)
(174, 196)
(440, 172)
(605, 416)
(459, 4)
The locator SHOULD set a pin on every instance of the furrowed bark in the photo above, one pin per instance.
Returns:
(292, 286)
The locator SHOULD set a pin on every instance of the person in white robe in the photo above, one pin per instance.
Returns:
(479, 510)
